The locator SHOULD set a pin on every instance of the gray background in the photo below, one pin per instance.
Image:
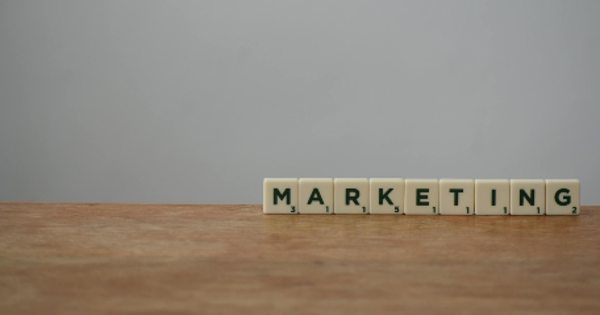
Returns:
(197, 102)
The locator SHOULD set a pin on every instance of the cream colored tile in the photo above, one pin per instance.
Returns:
(280, 196)
(421, 196)
(387, 195)
(316, 196)
(527, 197)
(492, 197)
(351, 196)
(457, 197)
(562, 197)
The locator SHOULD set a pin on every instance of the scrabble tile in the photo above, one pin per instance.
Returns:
(562, 197)
(492, 197)
(351, 195)
(280, 196)
(527, 197)
(316, 196)
(421, 196)
(387, 195)
(456, 197)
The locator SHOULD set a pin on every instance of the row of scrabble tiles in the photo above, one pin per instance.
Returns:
(421, 196)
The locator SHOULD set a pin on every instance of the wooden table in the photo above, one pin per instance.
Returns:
(232, 259)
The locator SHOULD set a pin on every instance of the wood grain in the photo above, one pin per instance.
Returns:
(232, 259)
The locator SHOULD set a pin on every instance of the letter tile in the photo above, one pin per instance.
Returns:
(280, 196)
(387, 195)
(316, 196)
(351, 196)
(492, 197)
(456, 196)
(562, 197)
(421, 196)
(527, 197)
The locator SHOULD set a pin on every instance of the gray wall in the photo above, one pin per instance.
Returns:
(197, 102)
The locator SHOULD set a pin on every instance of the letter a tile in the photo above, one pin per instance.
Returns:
(316, 195)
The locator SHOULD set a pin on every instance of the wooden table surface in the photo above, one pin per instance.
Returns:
(232, 259)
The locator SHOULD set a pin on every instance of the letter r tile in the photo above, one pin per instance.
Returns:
(351, 196)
